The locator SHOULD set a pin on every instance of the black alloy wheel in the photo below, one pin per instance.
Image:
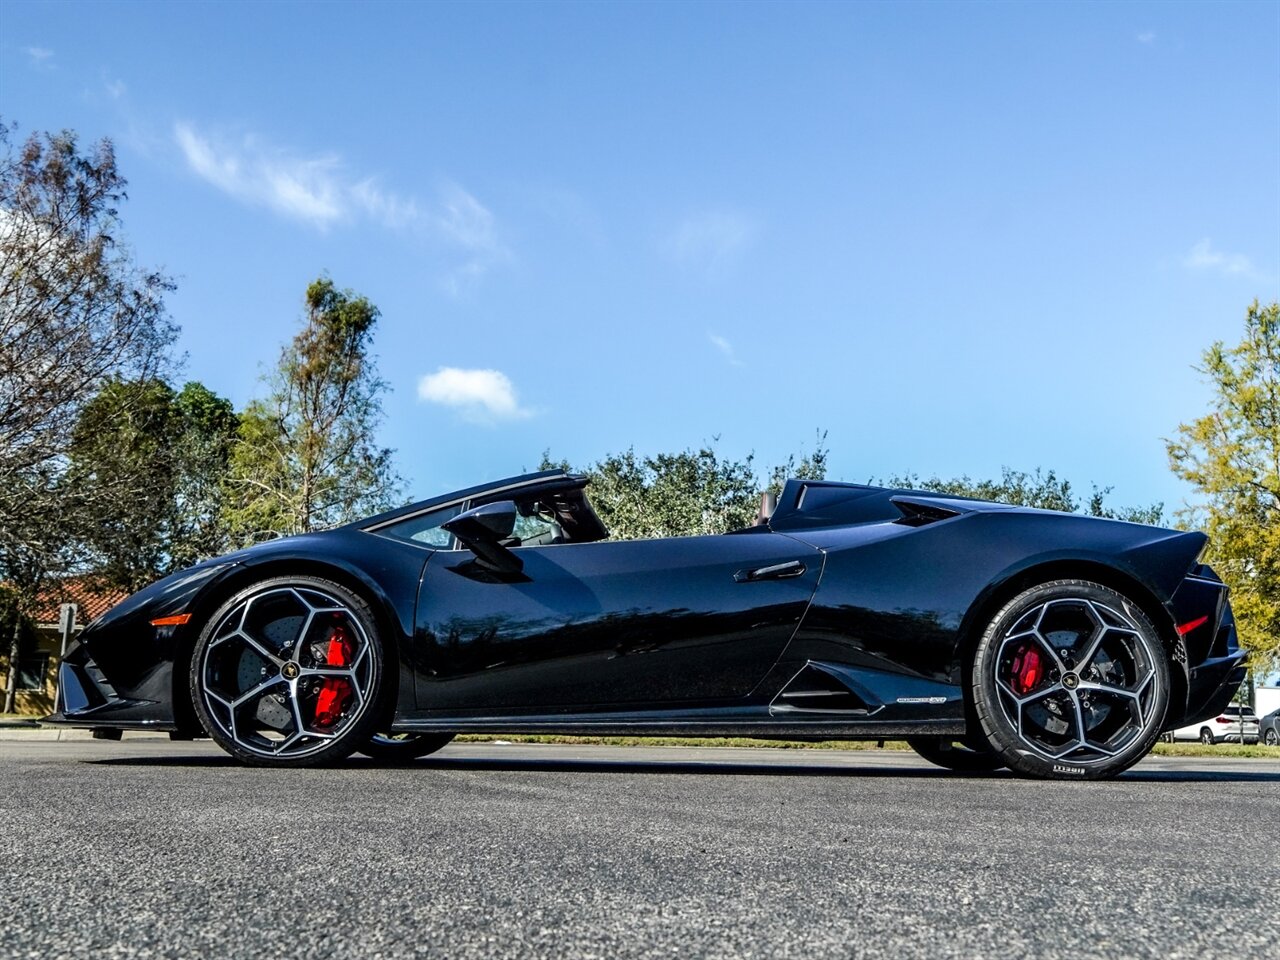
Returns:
(289, 672)
(1070, 681)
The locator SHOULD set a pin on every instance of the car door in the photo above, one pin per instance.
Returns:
(598, 625)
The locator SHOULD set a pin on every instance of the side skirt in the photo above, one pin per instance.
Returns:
(604, 726)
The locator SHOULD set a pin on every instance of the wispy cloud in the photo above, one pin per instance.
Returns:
(469, 226)
(115, 88)
(41, 57)
(1147, 36)
(480, 396)
(306, 188)
(725, 348)
(1204, 257)
(711, 241)
(320, 190)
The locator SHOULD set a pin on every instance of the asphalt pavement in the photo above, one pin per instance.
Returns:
(150, 849)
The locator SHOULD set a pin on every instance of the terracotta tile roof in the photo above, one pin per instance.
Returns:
(91, 597)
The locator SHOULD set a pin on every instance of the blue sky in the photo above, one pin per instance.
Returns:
(955, 236)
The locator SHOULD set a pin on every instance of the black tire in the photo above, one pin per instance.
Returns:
(1271, 738)
(403, 747)
(956, 754)
(1206, 737)
(270, 649)
(1069, 720)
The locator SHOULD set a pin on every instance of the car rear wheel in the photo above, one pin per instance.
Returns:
(1272, 738)
(403, 747)
(1206, 736)
(1070, 681)
(957, 754)
(289, 673)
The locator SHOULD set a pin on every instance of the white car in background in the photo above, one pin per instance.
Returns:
(1235, 724)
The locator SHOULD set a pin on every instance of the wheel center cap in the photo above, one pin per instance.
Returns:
(1071, 681)
(290, 670)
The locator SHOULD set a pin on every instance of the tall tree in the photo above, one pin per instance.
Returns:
(208, 430)
(147, 466)
(123, 469)
(75, 311)
(1232, 457)
(305, 458)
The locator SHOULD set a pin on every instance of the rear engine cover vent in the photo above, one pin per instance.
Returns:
(813, 690)
(918, 513)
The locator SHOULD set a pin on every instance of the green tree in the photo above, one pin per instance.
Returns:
(304, 458)
(208, 427)
(1041, 489)
(124, 476)
(1231, 456)
(686, 493)
(146, 472)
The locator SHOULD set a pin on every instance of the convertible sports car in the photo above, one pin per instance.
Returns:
(986, 635)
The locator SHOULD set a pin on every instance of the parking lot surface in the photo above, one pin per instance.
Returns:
(147, 848)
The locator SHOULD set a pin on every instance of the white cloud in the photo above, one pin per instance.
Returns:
(1204, 257)
(115, 88)
(726, 348)
(1147, 36)
(41, 57)
(306, 189)
(711, 241)
(481, 396)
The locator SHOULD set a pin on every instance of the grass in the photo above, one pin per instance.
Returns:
(1161, 749)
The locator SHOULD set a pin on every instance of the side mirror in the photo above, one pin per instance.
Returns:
(482, 531)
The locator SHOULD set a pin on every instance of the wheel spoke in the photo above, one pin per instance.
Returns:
(254, 692)
(329, 672)
(1110, 689)
(1081, 733)
(259, 648)
(302, 633)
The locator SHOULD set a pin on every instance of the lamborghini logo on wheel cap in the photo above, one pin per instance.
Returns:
(290, 670)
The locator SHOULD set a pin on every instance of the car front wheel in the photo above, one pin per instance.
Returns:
(1206, 736)
(289, 672)
(1070, 681)
(1272, 739)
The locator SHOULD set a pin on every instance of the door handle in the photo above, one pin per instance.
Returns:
(775, 571)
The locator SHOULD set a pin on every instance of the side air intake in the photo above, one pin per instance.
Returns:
(813, 690)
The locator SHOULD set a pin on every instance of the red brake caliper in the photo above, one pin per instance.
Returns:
(335, 692)
(1028, 669)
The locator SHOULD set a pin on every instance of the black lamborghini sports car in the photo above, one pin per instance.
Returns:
(985, 635)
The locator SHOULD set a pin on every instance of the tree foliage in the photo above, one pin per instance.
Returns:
(687, 493)
(1041, 489)
(1231, 456)
(146, 471)
(304, 458)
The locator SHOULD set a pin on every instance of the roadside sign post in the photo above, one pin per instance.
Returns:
(66, 625)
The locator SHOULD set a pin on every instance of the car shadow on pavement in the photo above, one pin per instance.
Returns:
(693, 767)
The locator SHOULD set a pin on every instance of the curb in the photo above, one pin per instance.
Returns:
(36, 733)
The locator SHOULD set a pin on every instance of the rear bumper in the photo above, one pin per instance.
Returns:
(1210, 653)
